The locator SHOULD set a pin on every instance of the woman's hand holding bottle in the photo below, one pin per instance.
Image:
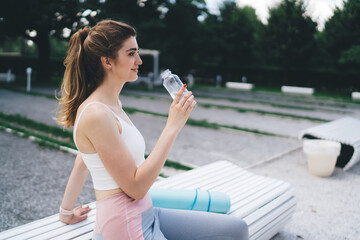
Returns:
(180, 110)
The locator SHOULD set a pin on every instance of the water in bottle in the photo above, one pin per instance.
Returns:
(172, 83)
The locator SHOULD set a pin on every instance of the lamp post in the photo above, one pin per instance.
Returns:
(28, 82)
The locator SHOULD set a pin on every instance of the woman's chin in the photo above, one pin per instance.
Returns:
(132, 79)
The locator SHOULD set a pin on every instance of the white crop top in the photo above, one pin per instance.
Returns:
(134, 141)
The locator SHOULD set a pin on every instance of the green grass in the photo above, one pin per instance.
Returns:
(28, 123)
(42, 136)
(204, 123)
(193, 122)
(13, 89)
(162, 175)
(268, 89)
(176, 165)
(208, 105)
(244, 110)
(49, 140)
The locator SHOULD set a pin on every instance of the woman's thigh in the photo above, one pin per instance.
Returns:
(196, 225)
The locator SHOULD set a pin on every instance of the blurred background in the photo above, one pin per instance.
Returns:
(272, 43)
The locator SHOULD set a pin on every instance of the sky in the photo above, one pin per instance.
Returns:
(318, 10)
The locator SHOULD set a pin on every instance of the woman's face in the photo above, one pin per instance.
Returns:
(126, 65)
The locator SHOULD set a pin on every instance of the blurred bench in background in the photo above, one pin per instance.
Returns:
(297, 90)
(238, 85)
(7, 77)
(355, 95)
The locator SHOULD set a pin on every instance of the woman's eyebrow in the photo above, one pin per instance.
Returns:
(132, 49)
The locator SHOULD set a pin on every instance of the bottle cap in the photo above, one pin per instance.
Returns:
(165, 74)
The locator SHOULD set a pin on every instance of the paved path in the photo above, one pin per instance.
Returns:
(33, 181)
(309, 106)
(261, 122)
(195, 145)
(327, 208)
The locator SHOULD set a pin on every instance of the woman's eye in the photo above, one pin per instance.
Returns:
(133, 53)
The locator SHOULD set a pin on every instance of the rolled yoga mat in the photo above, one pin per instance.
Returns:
(197, 200)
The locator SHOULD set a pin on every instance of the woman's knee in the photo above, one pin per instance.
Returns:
(238, 229)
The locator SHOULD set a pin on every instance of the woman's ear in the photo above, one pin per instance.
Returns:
(106, 63)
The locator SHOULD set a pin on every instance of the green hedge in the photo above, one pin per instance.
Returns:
(333, 80)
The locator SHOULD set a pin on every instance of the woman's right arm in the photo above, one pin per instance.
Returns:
(73, 188)
(179, 113)
(109, 144)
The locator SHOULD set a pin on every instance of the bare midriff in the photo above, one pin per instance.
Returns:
(102, 194)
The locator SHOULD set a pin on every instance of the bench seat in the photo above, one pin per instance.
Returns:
(265, 204)
(238, 85)
(297, 90)
(7, 77)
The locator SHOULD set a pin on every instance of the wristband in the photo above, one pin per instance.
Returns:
(65, 212)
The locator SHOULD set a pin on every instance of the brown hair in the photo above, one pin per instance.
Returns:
(84, 71)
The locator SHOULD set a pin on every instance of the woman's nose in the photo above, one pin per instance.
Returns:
(138, 60)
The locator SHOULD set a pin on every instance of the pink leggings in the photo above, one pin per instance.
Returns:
(121, 217)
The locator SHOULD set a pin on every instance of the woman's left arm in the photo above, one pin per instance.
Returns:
(76, 182)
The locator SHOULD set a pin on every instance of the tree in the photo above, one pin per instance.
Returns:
(143, 15)
(288, 39)
(37, 20)
(231, 38)
(181, 36)
(341, 36)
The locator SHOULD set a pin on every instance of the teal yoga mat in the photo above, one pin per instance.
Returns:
(197, 200)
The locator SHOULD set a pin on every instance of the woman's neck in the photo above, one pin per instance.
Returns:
(109, 93)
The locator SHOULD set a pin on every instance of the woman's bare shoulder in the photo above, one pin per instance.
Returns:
(95, 113)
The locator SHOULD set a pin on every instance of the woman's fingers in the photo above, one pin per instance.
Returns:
(82, 210)
(191, 107)
(185, 98)
(188, 102)
(179, 94)
(80, 214)
(82, 218)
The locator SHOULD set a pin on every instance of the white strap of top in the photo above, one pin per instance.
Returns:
(82, 111)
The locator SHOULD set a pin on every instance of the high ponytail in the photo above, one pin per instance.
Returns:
(83, 69)
(72, 87)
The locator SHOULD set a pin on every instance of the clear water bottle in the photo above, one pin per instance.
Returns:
(172, 83)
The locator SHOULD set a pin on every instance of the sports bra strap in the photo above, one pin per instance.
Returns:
(80, 114)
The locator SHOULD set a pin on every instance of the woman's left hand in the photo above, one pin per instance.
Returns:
(80, 214)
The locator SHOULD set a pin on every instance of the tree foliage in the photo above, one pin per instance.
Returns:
(190, 38)
(231, 38)
(341, 36)
(36, 20)
(181, 35)
(288, 39)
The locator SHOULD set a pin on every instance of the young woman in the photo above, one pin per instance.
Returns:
(100, 61)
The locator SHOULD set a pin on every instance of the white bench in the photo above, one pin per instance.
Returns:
(355, 95)
(265, 204)
(238, 85)
(297, 90)
(7, 77)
